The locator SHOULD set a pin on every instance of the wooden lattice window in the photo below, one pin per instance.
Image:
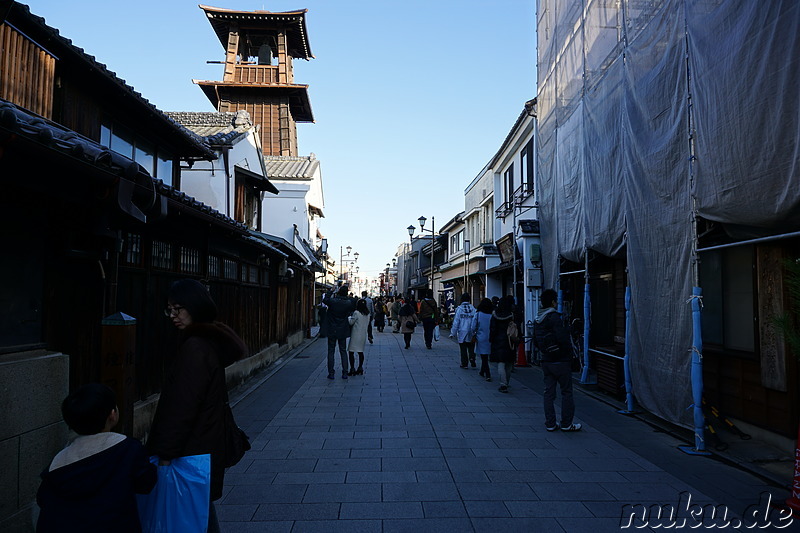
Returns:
(190, 260)
(230, 269)
(133, 249)
(252, 274)
(162, 255)
(213, 266)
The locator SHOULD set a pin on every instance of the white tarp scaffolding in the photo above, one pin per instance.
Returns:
(651, 113)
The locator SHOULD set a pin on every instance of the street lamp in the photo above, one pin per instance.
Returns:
(342, 260)
(422, 221)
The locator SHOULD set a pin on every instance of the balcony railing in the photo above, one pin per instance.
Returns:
(256, 74)
(520, 194)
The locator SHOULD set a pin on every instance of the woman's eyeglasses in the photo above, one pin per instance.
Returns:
(173, 310)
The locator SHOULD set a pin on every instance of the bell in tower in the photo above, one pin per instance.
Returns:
(265, 54)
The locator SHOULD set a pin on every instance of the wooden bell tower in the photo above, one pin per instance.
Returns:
(258, 77)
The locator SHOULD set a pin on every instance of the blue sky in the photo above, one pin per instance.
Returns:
(411, 98)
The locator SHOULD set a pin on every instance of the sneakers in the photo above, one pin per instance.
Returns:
(344, 375)
(330, 376)
(549, 428)
(472, 363)
(571, 427)
(488, 379)
(463, 366)
(503, 388)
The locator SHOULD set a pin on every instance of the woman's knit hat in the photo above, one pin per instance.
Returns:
(194, 296)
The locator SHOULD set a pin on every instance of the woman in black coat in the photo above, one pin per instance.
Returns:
(189, 416)
(502, 353)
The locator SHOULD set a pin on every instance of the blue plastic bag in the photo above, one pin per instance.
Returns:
(180, 500)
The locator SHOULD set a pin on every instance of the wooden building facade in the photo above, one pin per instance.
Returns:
(92, 233)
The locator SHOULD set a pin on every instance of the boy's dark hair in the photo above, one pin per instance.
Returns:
(465, 297)
(548, 297)
(86, 409)
(361, 307)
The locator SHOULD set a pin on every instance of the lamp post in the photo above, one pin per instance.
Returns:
(466, 266)
(342, 260)
(422, 221)
(323, 255)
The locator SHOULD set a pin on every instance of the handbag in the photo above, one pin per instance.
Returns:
(436, 333)
(236, 440)
(411, 324)
(180, 499)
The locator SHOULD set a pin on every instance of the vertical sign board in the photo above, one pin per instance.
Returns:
(117, 352)
(770, 304)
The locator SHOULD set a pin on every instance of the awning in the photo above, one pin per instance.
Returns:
(257, 181)
(502, 267)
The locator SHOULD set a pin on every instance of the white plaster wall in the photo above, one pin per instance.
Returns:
(289, 207)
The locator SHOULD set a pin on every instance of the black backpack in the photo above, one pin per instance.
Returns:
(544, 338)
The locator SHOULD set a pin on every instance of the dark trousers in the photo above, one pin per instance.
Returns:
(332, 342)
(485, 372)
(407, 339)
(558, 373)
(467, 352)
(427, 325)
(369, 329)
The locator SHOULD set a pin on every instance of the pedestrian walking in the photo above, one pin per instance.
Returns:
(551, 338)
(91, 485)
(359, 321)
(462, 330)
(407, 317)
(480, 330)
(189, 418)
(380, 315)
(340, 307)
(502, 352)
(371, 307)
(429, 313)
(394, 313)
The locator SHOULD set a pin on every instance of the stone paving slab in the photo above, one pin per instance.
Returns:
(417, 444)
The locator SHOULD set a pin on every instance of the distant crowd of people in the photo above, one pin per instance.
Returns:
(491, 330)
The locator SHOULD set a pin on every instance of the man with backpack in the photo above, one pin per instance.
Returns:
(551, 338)
(429, 313)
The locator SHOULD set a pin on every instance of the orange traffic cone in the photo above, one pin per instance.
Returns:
(521, 359)
(793, 501)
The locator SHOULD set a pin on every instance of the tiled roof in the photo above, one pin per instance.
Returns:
(52, 136)
(294, 23)
(214, 127)
(291, 167)
(63, 47)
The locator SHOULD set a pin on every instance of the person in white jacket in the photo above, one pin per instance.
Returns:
(358, 337)
(462, 330)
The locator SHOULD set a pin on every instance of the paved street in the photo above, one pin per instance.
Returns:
(418, 444)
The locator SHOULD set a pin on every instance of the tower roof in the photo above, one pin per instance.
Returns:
(293, 22)
(299, 103)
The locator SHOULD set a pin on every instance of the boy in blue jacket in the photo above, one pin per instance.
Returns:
(91, 484)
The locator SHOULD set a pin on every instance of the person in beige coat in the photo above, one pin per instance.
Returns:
(406, 316)
(359, 321)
